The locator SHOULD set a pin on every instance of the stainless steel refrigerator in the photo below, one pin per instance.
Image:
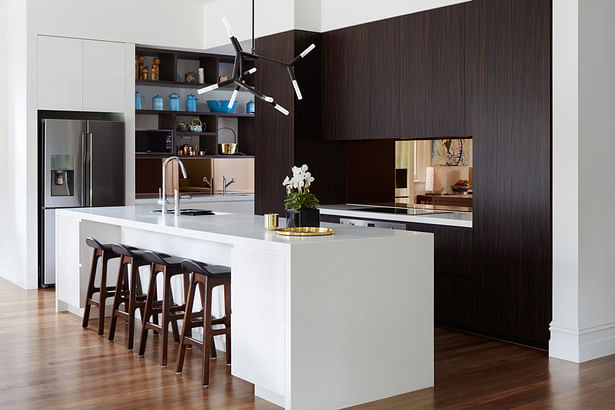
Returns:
(82, 166)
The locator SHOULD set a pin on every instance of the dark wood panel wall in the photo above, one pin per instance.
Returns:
(296, 139)
(509, 67)
(275, 142)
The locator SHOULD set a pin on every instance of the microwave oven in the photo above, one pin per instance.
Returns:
(154, 141)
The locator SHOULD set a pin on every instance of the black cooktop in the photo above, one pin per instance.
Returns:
(397, 211)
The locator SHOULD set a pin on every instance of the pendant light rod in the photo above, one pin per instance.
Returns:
(253, 47)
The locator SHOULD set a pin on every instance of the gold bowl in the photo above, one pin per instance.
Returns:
(228, 149)
(305, 231)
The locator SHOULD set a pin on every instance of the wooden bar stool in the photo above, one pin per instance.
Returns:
(206, 277)
(168, 266)
(128, 289)
(105, 292)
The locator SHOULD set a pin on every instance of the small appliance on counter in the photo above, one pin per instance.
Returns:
(154, 142)
(82, 165)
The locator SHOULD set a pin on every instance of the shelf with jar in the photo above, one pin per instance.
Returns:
(180, 68)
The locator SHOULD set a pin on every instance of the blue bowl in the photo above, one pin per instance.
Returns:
(221, 106)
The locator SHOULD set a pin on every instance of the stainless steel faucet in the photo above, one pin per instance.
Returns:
(210, 184)
(226, 184)
(163, 198)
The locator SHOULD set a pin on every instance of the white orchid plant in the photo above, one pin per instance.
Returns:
(298, 195)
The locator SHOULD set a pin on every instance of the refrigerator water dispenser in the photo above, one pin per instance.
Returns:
(62, 175)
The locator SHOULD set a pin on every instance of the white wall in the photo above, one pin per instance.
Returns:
(271, 16)
(18, 212)
(276, 16)
(343, 13)
(583, 325)
(596, 148)
(156, 22)
(3, 131)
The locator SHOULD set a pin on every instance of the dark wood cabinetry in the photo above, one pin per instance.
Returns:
(431, 49)
(360, 81)
(397, 78)
(510, 115)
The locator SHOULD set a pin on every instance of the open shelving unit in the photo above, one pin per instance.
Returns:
(172, 63)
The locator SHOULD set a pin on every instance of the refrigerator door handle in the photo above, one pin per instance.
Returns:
(84, 167)
(89, 169)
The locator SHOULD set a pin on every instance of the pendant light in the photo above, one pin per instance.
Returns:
(238, 77)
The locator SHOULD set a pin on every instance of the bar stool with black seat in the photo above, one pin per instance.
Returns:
(207, 277)
(105, 252)
(128, 289)
(168, 266)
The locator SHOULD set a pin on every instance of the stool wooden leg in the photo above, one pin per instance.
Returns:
(227, 320)
(117, 299)
(207, 337)
(174, 326)
(90, 292)
(132, 304)
(149, 303)
(139, 290)
(103, 296)
(186, 328)
(166, 305)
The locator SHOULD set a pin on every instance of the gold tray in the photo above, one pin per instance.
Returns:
(305, 231)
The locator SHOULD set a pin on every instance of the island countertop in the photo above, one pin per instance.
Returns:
(367, 283)
(223, 227)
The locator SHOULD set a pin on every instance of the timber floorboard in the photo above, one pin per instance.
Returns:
(47, 361)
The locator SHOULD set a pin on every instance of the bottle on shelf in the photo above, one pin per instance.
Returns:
(155, 74)
(140, 67)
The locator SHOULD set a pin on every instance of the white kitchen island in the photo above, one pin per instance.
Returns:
(317, 323)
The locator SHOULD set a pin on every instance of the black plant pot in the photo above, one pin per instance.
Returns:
(303, 217)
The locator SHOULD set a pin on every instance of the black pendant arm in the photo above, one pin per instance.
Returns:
(293, 80)
(215, 86)
(270, 60)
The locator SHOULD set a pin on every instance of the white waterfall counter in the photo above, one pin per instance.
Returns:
(317, 323)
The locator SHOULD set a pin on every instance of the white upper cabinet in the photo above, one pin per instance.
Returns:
(104, 73)
(59, 73)
(81, 75)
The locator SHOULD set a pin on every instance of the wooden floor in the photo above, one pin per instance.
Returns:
(48, 361)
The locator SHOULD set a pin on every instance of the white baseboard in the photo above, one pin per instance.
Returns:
(581, 345)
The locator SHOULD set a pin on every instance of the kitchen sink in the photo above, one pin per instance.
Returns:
(188, 211)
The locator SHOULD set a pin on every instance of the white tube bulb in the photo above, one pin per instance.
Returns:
(307, 50)
(208, 89)
(281, 109)
(232, 100)
(297, 90)
(268, 99)
(227, 26)
(250, 71)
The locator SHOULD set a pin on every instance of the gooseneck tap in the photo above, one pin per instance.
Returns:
(226, 184)
(163, 197)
